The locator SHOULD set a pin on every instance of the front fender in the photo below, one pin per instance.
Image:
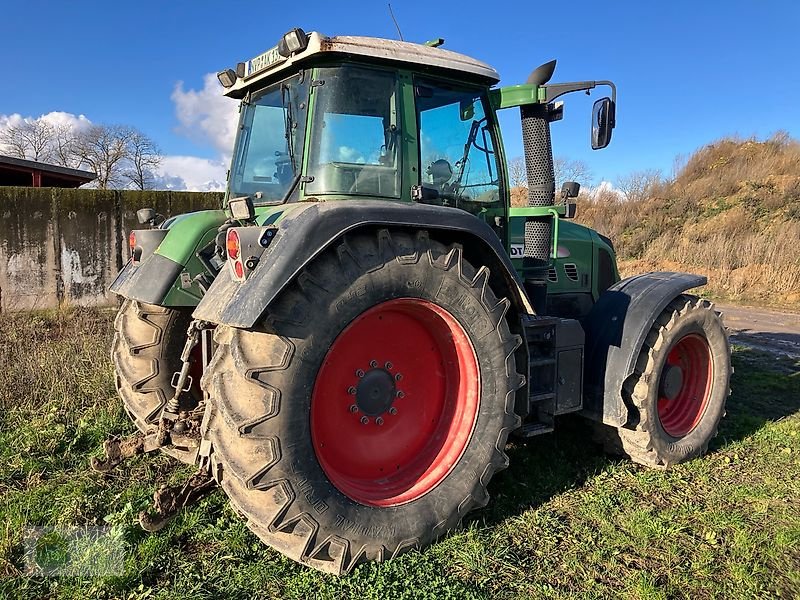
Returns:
(153, 278)
(616, 329)
(308, 229)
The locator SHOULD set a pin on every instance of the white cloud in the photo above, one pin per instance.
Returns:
(350, 155)
(10, 120)
(205, 115)
(191, 173)
(60, 118)
(55, 118)
(604, 189)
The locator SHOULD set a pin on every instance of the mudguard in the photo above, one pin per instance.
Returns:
(309, 228)
(159, 268)
(616, 329)
(148, 280)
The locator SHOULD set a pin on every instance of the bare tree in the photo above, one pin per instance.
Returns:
(63, 146)
(517, 172)
(566, 169)
(13, 143)
(639, 185)
(30, 140)
(104, 149)
(143, 158)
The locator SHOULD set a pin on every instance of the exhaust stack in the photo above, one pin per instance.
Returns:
(535, 120)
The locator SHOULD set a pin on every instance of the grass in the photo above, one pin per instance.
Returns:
(566, 521)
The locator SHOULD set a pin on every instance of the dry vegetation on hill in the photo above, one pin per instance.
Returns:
(732, 212)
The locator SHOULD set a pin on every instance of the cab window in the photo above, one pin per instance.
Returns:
(457, 162)
(354, 147)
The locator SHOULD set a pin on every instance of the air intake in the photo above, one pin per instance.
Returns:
(571, 271)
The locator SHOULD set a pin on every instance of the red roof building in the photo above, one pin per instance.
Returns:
(31, 173)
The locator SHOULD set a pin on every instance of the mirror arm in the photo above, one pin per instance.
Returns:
(551, 92)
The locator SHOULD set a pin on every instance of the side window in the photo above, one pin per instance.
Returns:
(354, 146)
(269, 145)
(458, 165)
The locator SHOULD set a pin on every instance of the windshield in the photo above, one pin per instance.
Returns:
(269, 144)
(355, 137)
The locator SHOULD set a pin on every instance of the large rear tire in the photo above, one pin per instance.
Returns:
(367, 413)
(146, 352)
(679, 388)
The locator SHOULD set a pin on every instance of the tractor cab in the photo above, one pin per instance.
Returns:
(352, 117)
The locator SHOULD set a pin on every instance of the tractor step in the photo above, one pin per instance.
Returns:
(555, 367)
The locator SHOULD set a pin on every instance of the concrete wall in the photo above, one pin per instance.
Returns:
(66, 245)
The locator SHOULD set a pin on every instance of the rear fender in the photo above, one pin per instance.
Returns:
(156, 277)
(616, 329)
(306, 231)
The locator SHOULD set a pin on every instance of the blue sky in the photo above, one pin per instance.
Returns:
(687, 72)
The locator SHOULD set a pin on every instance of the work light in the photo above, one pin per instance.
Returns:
(227, 77)
(294, 41)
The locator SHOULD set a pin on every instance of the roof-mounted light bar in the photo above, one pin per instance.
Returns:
(294, 41)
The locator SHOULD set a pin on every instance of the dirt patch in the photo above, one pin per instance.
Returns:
(764, 329)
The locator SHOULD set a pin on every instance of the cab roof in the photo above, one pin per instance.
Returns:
(375, 49)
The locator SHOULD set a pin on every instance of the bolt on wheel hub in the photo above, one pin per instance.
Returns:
(375, 392)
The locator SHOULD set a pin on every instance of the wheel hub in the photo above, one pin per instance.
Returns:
(671, 382)
(375, 392)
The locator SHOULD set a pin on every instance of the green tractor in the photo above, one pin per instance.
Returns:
(347, 345)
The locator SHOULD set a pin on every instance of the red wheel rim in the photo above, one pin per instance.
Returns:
(685, 385)
(395, 402)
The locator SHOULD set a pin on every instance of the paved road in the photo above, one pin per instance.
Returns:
(763, 328)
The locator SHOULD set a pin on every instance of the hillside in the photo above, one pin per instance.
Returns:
(732, 212)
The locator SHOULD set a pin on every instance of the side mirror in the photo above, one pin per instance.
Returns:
(603, 121)
(467, 108)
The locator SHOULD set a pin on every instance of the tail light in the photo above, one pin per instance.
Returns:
(233, 247)
(245, 246)
(132, 245)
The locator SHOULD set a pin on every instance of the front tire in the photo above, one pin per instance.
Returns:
(367, 413)
(679, 388)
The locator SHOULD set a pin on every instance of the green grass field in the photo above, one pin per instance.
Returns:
(565, 520)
